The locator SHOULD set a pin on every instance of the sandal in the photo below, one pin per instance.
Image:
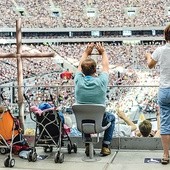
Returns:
(164, 161)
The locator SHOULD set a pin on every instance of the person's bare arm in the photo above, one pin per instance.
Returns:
(157, 134)
(150, 62)
(86, 54)
(105, 61)
(122, 115)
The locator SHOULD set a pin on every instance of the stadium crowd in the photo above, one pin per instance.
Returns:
(69, 14)
(128, 67)
(125, 61)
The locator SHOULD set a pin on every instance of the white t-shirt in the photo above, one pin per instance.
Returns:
(122, 130)
(162, 56)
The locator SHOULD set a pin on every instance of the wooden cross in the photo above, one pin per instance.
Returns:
(19, 55)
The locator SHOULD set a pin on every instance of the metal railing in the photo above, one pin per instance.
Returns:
(141, 98)
(138, 102)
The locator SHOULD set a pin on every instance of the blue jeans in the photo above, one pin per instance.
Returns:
(164, 104)
(108, 117)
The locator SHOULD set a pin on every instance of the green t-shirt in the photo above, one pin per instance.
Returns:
(91, 90)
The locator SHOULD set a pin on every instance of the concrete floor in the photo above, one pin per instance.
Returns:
(125, 158)
(118, 160)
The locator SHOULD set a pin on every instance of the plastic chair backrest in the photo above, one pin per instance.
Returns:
(89, 117)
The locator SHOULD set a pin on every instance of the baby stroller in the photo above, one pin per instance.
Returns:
(49, 132)
(11, 139)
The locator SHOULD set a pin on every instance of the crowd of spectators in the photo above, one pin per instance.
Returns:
(126, 61)
(127, 69)
(31, 67)
(73, 14)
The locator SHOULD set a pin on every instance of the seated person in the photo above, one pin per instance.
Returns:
(92, 89)
(145, 130)
(123, 129)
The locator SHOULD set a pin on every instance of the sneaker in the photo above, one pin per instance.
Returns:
(87, 150)
(105, 151)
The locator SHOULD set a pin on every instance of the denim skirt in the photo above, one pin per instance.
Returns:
(164, 104)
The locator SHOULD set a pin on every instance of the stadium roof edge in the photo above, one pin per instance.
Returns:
(74, 40)
(4, 29)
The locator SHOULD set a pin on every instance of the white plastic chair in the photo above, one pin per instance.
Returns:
(89, 119)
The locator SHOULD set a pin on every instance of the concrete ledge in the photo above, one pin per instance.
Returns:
(117, 143)
(127, 143)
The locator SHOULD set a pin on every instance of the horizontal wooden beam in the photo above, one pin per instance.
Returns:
(27, 55)
(7, 55)
(37, 55)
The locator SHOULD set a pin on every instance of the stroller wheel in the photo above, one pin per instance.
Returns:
(59, 157)
(3, 150)
(11, 162)
(75, 147)
(29, 157)
(69, 148)
(7, 161)
(34, 157)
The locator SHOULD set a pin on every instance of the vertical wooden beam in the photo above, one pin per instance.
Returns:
(18, 56)
(20, 73)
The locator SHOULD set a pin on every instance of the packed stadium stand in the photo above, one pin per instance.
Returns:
(127, 28)
(85, 14)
